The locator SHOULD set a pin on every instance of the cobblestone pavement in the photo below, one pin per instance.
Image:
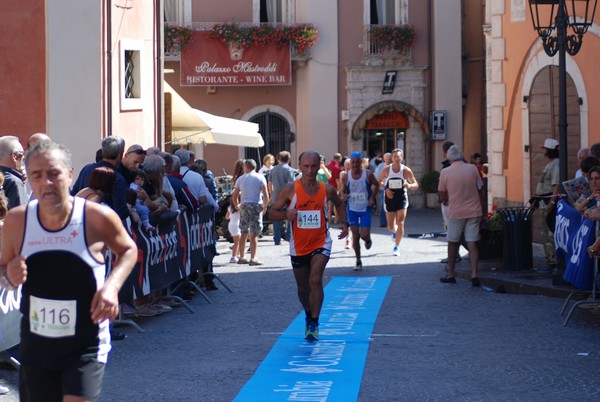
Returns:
(431, 341)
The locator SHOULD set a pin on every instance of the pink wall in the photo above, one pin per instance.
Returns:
(520, 39)
(22, 68)
(219, 11)
(231, 102)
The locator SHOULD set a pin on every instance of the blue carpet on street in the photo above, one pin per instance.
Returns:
(330, 369)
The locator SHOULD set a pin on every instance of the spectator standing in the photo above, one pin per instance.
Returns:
(304, 203)
(63, 362)
(387, 159)
(281, 175)
(185, 197)
(323, 174)
(233, 214)
(3, 212)
(200, 166)
(359, 187)
(476, 160)
(112, 154)
(194, 180)
(132, 160)
(398, 179)
(581, 155)
(459, 186)
(33, 140)
(265, 169)
(11, 159)
(547, 188)
(253, 201)
(376, 160)
(335, 168)
(139, 180)
(102, 183)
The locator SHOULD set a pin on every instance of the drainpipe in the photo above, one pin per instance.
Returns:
(108, 68)
(159, 133)
(430, 147)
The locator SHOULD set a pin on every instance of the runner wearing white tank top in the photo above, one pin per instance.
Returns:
(397, 178)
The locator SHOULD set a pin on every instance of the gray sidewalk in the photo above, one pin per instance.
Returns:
(493, 273)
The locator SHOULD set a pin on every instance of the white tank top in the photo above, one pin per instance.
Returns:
(62, 279)
(395, 180)
(358, 192)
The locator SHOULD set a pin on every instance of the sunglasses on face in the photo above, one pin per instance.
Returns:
(137, 152)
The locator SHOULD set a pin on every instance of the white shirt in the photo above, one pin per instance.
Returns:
(195, 182)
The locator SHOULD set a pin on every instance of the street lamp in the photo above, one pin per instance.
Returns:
(559, 20)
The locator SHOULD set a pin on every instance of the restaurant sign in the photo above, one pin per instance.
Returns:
(207, 61)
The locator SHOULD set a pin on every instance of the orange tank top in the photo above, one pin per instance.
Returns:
(309, 229)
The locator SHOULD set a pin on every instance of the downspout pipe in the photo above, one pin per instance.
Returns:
(159, 132)
(109, 91)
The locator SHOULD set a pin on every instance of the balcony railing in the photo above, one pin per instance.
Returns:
(172, 52)
(388, 41)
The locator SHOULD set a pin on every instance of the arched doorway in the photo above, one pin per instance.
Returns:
(543, 121)
(543, 124)
(384, 132)
(276, 133)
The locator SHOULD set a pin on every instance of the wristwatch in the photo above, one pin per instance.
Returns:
(5, 283)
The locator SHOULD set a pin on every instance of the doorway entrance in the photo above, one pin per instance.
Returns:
(543, 124)
(385, 132)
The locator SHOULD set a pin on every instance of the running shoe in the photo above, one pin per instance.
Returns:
(394, 237)
(306, 326)
(234, 260)
(368, 244)
(358, 266)
(255, 261)
(313, 332)
(243, 261)
(396, 251)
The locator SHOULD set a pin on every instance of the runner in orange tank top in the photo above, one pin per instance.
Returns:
(304, 204)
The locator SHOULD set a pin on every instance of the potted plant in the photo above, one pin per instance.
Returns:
(300, 36)
(398, 38)
(429, 184)
(491, 244)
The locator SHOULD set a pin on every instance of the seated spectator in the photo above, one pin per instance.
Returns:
(101, 183)
(139, 180)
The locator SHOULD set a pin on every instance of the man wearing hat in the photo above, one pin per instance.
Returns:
(547, 188)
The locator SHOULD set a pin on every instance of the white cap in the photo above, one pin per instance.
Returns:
(550, 143)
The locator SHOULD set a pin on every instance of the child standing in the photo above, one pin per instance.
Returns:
(139, 178)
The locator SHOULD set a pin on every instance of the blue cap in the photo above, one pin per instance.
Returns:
(355, 154)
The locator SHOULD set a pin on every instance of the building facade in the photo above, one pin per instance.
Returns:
(81, 71)
(523, 99)
(353, 91)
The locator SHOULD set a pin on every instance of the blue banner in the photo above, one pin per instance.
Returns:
(330, 369)
(573, 234)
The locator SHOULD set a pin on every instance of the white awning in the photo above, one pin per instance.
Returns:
(228, 131)
(185, 121)
(195, 126)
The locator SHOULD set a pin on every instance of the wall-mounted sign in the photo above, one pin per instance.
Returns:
(438, 124)
(389, 82)
(207, 61)
(387, 119)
